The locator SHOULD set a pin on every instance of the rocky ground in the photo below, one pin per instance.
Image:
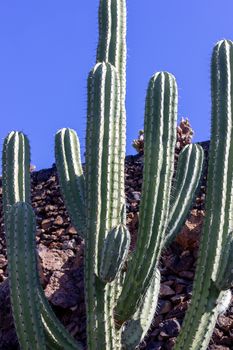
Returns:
(60, 253)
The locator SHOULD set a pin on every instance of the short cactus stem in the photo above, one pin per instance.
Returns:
(16, 165)
(114, 253)
(185, 187)
(71, 178)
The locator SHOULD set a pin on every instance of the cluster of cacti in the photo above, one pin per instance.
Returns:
(120, 302)
(184, 135)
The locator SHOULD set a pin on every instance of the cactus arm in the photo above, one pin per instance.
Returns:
(69, 167)
(16, 179)
(103, 210)
(135, 329)
(22, 264)
(160, 134)
(187, 181)
(218, 221)
(57, 337)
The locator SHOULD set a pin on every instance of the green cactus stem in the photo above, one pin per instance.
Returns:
(224, 276)
(16, 165)
(185, 187)
(135, 329)
(57, 337)
(71, 178)
(23, 283)
(114, 254)
(208, 297)
(112, 48)
(103, 209)
(160, 137)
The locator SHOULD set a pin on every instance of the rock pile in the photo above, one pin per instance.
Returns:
(60, 254)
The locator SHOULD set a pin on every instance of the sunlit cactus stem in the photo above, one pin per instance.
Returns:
(211, 293)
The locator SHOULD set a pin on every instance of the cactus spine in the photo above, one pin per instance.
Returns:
(213, 276)
(118, 301)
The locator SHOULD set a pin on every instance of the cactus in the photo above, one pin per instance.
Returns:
(112, 300)
(213, 276)
(16, 205)
(119, 291)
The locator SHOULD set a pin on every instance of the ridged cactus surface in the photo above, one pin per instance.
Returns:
(213, 273)
(160, 123)
(23, 283)
(16, 199)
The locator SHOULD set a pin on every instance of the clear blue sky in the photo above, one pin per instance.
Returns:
(47, 48)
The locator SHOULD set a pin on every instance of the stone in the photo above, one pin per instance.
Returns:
(164, 307)
(58, 221)
(169, 328)
(53, 260)
(71, 230)
(166, 290)
(46, 223)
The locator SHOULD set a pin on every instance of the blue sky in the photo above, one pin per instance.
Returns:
(47, 48)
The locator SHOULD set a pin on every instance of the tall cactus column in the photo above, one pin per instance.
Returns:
(112, 48)
(214, 275)
(103, 210)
